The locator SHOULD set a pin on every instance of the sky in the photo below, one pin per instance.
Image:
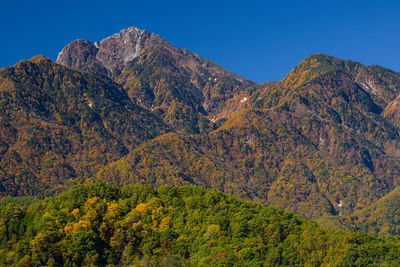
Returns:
(260, 40)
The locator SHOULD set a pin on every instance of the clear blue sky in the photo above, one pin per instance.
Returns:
(261, 40)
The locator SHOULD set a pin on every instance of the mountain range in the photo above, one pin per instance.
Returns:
(323, 142)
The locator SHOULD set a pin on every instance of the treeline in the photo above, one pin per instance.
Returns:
(99, 224)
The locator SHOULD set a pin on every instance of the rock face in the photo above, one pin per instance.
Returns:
(108, 56)
(158, 75)
(81, 55)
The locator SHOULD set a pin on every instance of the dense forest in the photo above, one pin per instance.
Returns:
(99, 224)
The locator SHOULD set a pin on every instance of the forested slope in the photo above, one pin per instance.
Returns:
(98, 224)
(57, 124)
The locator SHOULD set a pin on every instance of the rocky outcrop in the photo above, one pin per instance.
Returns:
(81, 55)
(115, 52)
(110, 55)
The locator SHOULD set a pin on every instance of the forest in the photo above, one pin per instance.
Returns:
(97, 224)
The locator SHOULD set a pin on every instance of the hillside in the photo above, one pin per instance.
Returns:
(98, 224)
(57, 124)
(316, 143)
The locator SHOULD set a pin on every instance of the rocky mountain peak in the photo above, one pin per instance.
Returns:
(129, 56)
(129, 35)
(110, 55)
(124, 45)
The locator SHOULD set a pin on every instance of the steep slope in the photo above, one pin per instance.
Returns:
(181, 86)
(315, 143)
(100, 225)
(57, 124)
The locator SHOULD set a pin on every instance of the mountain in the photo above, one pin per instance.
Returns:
(101, 225)
(132, 108)
(353, 152)
(182, 87)
(316, 143)
(57, 124)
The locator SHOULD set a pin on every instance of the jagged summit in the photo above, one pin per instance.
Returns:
(131, 34)
(116, 51)
(110, 55)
